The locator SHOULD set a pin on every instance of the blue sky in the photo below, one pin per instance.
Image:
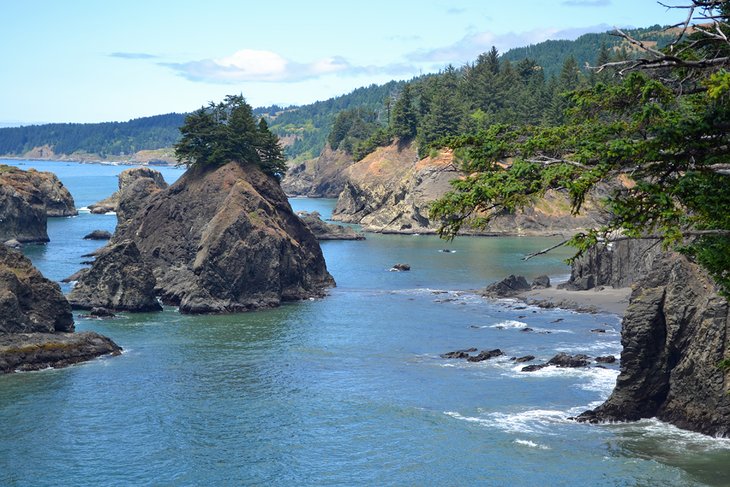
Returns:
(91, 61)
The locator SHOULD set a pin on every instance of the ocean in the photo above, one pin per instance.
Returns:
(345, 390)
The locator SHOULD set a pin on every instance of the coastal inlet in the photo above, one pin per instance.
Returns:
(349, 389)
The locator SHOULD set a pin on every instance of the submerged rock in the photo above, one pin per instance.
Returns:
(401, 267)
(486, 355)
(460, 354)
(225, 239)
(566, 360)
(118, 280)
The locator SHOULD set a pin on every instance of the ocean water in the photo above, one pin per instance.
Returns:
(345, 390)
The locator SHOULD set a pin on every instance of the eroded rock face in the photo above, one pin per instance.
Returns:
(322, 177)
(226, 240)
(19, 220)
(675, 332)
(29, 302)
(119, 280)
(509, 286)
(127, 178)
(390, 191)
(42, 190)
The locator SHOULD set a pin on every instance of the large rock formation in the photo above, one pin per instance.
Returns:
(616, 264)
(675, 333)
(26, 199)
(36, 323)
(390, 191)
(321, 177)
(225, 240)
(119, 280)
(42, 190)
(152, 181)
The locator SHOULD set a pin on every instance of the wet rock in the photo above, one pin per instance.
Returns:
(565, 360)
(460, 354)
(540, 282)
(533, 367)
(526, 358)
(486, 355)
(507, 287)
(607, 359)
(401, 267)
(101, 313)
(118, 280)
(598, 330)
(526, 329)
(98, 235)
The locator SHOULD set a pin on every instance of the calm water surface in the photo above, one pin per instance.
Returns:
(347, 390)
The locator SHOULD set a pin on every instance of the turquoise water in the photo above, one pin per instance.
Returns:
(346, 390)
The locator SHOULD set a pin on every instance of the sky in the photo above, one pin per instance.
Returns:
(112, 60)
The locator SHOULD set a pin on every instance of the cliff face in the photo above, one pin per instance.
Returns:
(390, 191)
(675, 333)
(26, 199)
(322, 177)
(36, 323)
(226, 240)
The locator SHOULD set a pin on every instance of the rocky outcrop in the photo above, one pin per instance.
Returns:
(327, 231)
(226, 240)
(390, 191)
(322, 177)
(119, 280)
(42, 190)
(28, 301)
(38, 351)
(26, 199)
(36, 323)
(154, 182)
(507, 287)
(616, 264)
(98, 235)
(675, 333)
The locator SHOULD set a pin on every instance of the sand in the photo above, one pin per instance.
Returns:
(600, 300)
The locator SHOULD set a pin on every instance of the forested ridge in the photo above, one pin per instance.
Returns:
(525, 85)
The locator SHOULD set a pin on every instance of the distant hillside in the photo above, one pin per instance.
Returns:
(551, 54)
(105, 139)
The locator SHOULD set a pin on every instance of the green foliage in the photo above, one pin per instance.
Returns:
(227, 131)
(404, 124)
(666, 138)
(351, 127)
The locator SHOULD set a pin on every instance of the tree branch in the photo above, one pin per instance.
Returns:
(545, 251)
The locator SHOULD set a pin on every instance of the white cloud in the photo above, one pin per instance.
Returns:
(268, 66)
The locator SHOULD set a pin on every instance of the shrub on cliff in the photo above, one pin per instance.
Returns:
(227, 131)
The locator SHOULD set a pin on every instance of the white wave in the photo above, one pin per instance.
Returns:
(111, 213)
(532, 444)
(594, 379)
(612, 347)
(536, 421)
(510, 324)
(520, 325)
(83, 209)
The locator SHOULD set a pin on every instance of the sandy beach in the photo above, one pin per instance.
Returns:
(601, 300)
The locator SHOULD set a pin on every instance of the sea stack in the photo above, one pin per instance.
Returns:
(224, 239)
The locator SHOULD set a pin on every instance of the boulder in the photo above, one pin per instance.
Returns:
(486, 355)
(674, 335)
(565, 360)
(224, 239)
(327, 231)
(28, 301)
(526, 358)
(401, 267)
(98, 235)
(540, 282)
(118, 280)
(608, 359)
(458, 353)
(507, 287)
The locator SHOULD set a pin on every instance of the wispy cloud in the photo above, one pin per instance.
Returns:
(132, 55)
(268, 66)
(455, 11)
(470, 46)
(587, 3)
